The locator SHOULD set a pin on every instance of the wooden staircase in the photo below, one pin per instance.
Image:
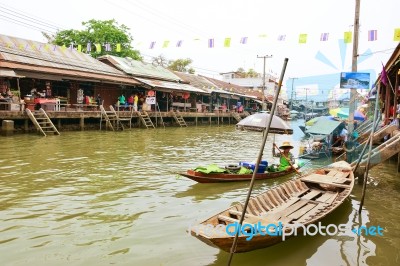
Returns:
(111, 119)
(145, 118)
(42, 122)
(120, 119)
(179, 119)
(236, 116)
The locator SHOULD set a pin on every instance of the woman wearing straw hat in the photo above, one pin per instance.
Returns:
(286, 157)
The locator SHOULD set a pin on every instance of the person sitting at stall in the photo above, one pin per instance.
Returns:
(286, 160)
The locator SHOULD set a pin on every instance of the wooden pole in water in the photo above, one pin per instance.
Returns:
(369, 150)
(260, 154)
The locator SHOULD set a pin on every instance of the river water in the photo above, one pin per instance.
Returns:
(101, 198)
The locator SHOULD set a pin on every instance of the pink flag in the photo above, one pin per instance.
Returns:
(372, 35)
(210, 43)
(324, 37)
(281, 37)
(384, 77)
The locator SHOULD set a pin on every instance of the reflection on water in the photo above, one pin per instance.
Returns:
(115, 198)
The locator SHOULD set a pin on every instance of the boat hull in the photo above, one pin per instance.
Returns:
(224, 177)
(301, 201)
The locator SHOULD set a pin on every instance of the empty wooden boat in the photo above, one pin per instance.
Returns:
(301, 201)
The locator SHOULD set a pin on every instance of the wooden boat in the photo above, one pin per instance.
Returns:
(232, 177)
(301, 201)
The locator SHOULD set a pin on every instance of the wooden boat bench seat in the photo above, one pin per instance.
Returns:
(326, 180)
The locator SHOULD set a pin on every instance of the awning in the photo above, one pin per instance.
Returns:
(170, 85)
(5, 72)
(37, 75)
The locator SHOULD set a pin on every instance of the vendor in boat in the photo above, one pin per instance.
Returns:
(286, 157)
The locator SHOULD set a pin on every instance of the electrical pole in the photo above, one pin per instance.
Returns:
(353, 91)
(263, 85)
(291, 97)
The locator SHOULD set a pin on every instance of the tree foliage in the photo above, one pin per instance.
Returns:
(181, 65)
(98, 32)
(160, 61)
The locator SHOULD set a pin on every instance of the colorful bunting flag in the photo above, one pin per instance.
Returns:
(165, 44)
(152, 44)
(262, 35)
(179, 43)
(71, 46)
(384, 77)
(243, 40)
(108, 47)
(89, 47)
(54, 48)
(324, 37)
(21, 46)
(63, 47)
(281, 37)
(348, 37)
(118, 47)
(396, 36)
(372, 35)
(46, 47)
(98, 47)
(227, 42)
(79, 47)
(210, 43)
(303, 38)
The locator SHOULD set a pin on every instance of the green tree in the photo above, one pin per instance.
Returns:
(160, 61)
(252, 74)
(181, 65)
(98, 32)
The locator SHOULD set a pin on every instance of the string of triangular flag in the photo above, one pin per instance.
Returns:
(227, 42)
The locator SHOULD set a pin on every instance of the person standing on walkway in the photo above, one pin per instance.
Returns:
(135, 102)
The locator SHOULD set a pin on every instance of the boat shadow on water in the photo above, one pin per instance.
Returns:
(345, 248)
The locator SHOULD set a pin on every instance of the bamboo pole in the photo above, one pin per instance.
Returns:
(369, 151)
(260, 154)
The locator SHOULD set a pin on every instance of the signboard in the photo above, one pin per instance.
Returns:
(151, 100)
(354, 80)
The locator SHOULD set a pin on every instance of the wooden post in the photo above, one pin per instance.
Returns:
(82, 123)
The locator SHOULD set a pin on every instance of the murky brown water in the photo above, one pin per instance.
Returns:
(101, 198)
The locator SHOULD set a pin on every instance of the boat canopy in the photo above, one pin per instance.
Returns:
(324, 127)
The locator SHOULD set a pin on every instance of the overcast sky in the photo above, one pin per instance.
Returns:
(173, 20)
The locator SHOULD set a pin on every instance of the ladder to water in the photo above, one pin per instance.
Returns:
(111, 119)
(42, 122)
(145, 118)
(178, 118)
(158, 113)
(236, 116)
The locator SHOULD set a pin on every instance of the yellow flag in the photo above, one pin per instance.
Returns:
(227, 42)
(118, 47)
(348, 37)
(79, 47)
(46, 47)
(396, 36)
(98, 48)
(63, 47)
(262, 35)
(303, 38)
(21, 46)
(33, 46)
(165, 44)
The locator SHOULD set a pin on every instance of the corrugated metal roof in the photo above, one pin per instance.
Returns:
(170, 85)
(44, 54)
(70, 74)
(140, 69)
